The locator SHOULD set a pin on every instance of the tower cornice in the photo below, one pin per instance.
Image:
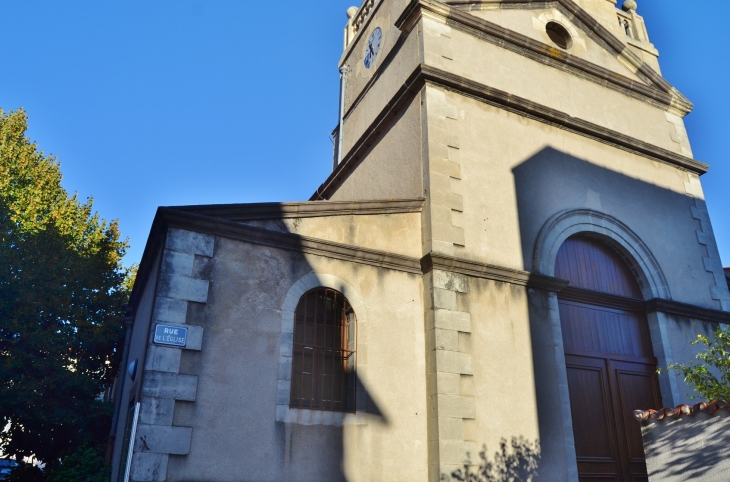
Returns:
(657, 90)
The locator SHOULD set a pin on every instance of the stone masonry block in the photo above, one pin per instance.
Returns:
(445, 299)
(441, 214)
(454, 362)
(443, 109)
(163, 359)
(440, 181)
(705, 238)
(450, 281)
(452, 452)
(456, 406)
(434, 27)
(183, 288)
(441, 247)
(452, 139)
(447, 198)
(451, 428)
(170, 385)
(449, 168)
(156, 411)
(169, 310)
(453, 320)
(190, 242)
(177, 263)
(148, 467)
(283, 392)
(163, 440)
(448, 232)
(438, 150)
(448, 383)
(285, 364)
(445, 339)
(195, 336)
(286, 344)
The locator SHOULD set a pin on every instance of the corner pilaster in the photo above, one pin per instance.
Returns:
(706, 237)
(181, 282)
(451, 405)
(443, 179)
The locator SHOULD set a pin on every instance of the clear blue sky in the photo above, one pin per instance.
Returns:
(150, 103)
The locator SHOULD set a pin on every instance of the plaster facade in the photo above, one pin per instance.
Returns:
(472, 148)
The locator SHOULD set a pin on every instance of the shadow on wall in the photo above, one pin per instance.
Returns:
(516, 461)
(552, 181)
(321, 447)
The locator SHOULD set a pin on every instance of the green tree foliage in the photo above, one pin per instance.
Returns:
(710, 376)
(62, 287)
(85, 465)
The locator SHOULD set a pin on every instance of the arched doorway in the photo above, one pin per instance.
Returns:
(610, 363)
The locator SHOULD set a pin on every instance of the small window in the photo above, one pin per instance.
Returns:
(559, 35)
(323, 364)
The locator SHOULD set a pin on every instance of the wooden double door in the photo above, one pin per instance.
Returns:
(611, 367)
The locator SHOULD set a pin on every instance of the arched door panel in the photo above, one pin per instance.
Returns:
(610, 362)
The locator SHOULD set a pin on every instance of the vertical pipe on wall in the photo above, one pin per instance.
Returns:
(128, 321)
(340, 128)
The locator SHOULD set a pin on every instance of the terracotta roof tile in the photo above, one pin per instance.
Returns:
(710, 408)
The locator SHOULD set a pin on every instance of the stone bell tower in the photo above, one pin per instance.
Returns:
(506, 115)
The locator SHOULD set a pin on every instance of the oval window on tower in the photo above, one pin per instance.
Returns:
(559, 35)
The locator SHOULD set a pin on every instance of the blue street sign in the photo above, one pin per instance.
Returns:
(171, 335)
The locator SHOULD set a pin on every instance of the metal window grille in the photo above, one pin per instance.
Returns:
(323, 364)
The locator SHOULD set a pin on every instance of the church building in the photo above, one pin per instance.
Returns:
(512, 240)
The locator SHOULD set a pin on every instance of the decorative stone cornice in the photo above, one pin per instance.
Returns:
(488, 271)
(426, 74)
(287, 241)
(171, 218)
(660, 93)
(687, 311)
(246, 212)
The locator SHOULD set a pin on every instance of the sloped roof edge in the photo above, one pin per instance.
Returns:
(306, 209)
(684, 409)
(444, 8)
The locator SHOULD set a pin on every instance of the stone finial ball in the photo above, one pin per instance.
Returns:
(351, 12)
(630, 5)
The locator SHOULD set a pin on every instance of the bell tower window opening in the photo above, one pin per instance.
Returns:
(323, 358)
(626, 25)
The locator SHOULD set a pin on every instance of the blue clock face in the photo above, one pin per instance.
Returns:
(373, 47)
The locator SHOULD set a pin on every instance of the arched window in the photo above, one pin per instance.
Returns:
(323, 364)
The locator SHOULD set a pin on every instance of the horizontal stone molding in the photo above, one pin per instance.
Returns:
(488, 271)
(289, 241)
(311, 209)
(163, 440)
(676, 308)
(424, 74)
(658, 92)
